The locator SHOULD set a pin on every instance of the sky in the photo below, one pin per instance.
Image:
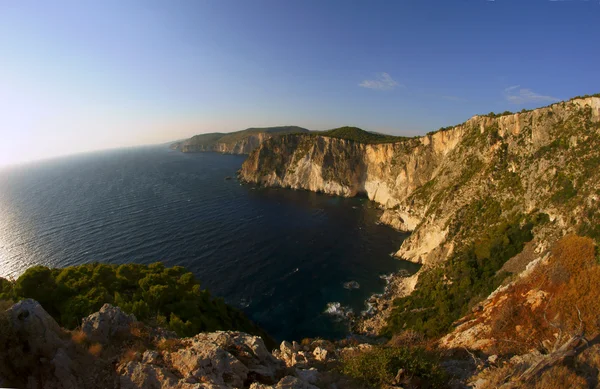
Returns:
(87, 75)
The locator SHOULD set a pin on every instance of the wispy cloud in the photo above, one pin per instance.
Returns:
(382, 81)
(453, 98)
(517, 95)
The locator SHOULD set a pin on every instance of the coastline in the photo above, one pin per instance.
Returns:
(400, 284)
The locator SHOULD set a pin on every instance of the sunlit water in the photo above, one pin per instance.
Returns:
(282, 256)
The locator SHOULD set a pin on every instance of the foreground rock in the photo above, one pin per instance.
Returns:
(113, 350)
(211, 360)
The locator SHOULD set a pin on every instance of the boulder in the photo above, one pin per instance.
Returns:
(223, 359)
(310, 376)
(320, 354)
(101, 326)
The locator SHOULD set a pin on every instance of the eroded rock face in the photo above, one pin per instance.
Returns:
(422, 182)
(106, 323)
(37, 353)
(218, 359)
(288, 382)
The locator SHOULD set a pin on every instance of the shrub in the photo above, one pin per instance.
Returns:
(379, 366)
(444, 294)
(169, 297)
(561, 294)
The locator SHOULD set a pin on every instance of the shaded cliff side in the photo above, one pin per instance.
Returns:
(239, 142)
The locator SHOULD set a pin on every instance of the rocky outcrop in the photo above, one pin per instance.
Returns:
(422, 182)
(239, 142)
(440, 185)
(242, 146)
(37, 353)
(108, 322)
(214, 360)
(114, 351)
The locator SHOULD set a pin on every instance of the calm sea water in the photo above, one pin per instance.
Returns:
(280, 255)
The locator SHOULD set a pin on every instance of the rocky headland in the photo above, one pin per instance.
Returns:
(451, 187)
(239, 142)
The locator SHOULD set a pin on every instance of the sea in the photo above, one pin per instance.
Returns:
(296, 262)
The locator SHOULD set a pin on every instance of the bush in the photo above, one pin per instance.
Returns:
(170, 297)
(444, 294)
(379, 366)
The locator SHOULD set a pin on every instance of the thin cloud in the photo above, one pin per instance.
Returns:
(453, 98)
(517, 95)
(382, 81)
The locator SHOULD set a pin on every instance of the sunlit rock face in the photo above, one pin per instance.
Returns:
(422, 183)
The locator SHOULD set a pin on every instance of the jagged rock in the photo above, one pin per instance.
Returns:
(106, 323)
(287, 382)
(308, 375)
(493, 359)
(320, 354)
(223, 359)
(40, 354)
(42, 331)
(139, 375)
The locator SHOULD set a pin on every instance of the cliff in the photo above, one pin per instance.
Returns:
(525, 160)
(239, 142)
(473, 196)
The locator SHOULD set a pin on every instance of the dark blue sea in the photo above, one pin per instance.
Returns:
(282, 256)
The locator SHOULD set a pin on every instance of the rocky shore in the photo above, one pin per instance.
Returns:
(372, 322)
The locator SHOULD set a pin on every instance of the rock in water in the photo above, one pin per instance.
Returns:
(351, 285)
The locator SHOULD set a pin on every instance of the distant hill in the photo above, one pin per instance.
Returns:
(239, 142)
(359, 135)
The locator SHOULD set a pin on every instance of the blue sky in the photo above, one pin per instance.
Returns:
(84, 75)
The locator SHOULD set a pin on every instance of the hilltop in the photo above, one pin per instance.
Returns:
(356, 134)
(238, 142)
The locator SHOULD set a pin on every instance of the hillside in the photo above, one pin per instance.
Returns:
(157, 295)
(462, 191)
(239, 142)
(359, 135)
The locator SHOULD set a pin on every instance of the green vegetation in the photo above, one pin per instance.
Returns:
(168, 297)
(497, 115)
(585, 96)
(237, 136)
(206, 141)
(378, 367)
(566, 192)
(361, 136)
(446, 293)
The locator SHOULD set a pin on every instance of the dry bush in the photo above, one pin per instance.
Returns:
(407, 338)
(559, 377)
(95, 349)
(128, 355)
(5, 304)
(139, 330)
(306, 341)
(79, 337)
(568, 291)
(494, 377)
(170, 345)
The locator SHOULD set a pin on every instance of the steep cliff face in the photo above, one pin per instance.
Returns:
(239, 142)
(546, 159)
(241, 146)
